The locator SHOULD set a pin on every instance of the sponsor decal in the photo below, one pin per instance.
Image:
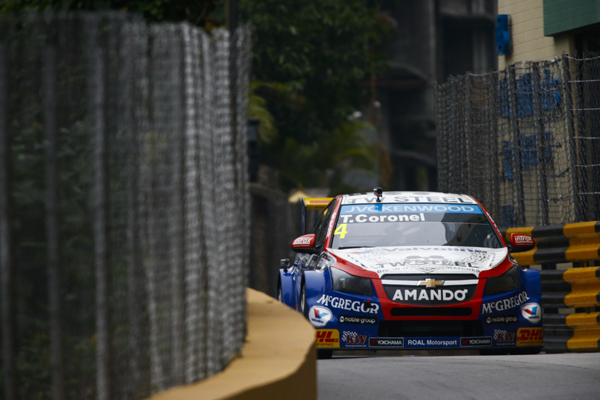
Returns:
(430, 342)
(476, 341)
(532, 312)
(501, 319)
(523, 240)
(328, 338)
(319, 316)
(530, 337)
(353, 319)
(424, 296)
(302, 241)
(353, 339)
(348, 304)
(503, 337)
(386, 342)
(364, 218)
(331, 224)
(505, 304)
(410, 198)
(412, 208)
(424, 260)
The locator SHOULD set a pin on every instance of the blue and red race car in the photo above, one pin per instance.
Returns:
(412, 270)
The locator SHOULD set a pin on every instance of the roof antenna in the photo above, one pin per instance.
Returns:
(378, 192)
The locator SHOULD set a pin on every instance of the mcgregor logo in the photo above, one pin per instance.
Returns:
(347, 304)
(506, 304)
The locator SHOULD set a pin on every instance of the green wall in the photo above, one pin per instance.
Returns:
(565, 15)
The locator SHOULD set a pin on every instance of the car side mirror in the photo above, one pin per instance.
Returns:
(305, 243)
(520, 243)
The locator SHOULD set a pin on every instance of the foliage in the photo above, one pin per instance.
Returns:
(312, 60)
(203, 13)
(320, 53)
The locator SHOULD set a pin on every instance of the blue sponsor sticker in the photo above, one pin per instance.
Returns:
(410, 208)
(419, 342)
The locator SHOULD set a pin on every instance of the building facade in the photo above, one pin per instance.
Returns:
(544, 29)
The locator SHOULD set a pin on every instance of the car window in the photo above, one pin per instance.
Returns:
(373, 225)
(321, 225)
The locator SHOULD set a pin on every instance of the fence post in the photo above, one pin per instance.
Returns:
(516, 148)
(468, 139)
(100, 229)
(455, 181)
(543, 145)
(571, 132)
(7, 291)
(52, 223)
(493, 130)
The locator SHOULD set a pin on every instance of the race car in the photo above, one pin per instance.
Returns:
(410, 271)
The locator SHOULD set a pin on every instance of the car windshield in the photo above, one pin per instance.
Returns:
(371, 225)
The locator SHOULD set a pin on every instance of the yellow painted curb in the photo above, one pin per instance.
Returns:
(278, 360)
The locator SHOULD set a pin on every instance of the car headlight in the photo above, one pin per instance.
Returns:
(344, 282)
(504, 283)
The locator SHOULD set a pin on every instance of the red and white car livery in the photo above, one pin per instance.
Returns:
(413, 270)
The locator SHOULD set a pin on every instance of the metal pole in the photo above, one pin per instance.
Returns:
(516, 148)
(494, 155)
(7, 292)
(542, 144)
(571, 132)
(100, 230)
(469, 182)
(52, 224)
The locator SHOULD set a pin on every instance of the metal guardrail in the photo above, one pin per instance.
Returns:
(576, 288)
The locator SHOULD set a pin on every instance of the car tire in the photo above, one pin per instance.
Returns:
(302, 301)
(324, 354)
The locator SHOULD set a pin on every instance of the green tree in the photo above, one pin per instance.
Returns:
(203, 13)
(316, 56)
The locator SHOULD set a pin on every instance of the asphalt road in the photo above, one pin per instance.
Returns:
(542, 376)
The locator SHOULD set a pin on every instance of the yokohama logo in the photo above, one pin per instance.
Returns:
(386, 342)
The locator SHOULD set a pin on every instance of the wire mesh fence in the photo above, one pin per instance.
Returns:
(124, 204)
(524, 141)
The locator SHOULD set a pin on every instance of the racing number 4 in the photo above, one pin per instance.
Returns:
(341, 230)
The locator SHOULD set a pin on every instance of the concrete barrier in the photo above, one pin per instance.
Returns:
(575, 288)
(278, 360)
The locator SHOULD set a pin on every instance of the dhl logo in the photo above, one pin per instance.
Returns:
(328, 338)
(529, 337)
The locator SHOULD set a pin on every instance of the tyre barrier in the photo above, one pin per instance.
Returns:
(575, 288)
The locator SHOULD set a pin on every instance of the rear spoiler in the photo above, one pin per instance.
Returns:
(313, 203)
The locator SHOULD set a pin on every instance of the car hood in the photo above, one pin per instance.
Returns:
(422, 259)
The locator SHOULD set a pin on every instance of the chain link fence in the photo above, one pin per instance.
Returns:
(524, 141)
(124, 204)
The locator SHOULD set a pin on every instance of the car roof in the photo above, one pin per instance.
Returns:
(408, 197)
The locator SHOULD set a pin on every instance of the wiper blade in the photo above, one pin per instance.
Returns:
(353, 247)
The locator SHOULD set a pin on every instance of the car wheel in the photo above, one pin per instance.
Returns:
(302, 305)
(324, 354)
